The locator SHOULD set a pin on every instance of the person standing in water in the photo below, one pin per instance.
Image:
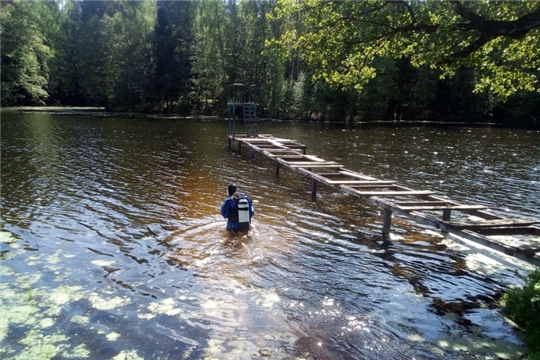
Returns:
(238, 209)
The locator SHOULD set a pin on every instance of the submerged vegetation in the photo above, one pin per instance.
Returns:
(522, 305)
(341, 61)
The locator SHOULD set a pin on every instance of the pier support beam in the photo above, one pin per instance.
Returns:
(387, 223)
(313, 188)
(447, 213)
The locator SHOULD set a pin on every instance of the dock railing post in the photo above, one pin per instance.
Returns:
(387, 223)
(447, 213)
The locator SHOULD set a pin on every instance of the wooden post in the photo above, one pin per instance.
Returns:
(277, 168)
(229, 142)
(446, 214)
(252, 153)
(387, 222)
(313, 187)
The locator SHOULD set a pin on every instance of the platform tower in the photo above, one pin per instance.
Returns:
(241, 105)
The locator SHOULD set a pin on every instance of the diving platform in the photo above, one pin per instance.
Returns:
(422, 206)
(241, 106)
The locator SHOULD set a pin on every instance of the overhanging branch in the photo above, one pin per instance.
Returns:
(491, 29)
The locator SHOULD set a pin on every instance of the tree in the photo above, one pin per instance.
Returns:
(107, 52)
(130, 62)
(344, 39)
(171, 54)
(209, 55)
(26, 53)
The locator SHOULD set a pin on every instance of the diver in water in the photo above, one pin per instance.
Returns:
(238, 210)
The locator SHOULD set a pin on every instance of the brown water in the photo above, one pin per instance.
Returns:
(112, 243)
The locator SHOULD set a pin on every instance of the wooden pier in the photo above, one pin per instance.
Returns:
(420, 205)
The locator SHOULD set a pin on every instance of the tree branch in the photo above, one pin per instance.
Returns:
(409, 8)
(491, 29)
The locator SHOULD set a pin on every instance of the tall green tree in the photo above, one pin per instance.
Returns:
(343, 39)
(94, 49)
(133, 33)
(26, 52)
(210, 55)
(109, 51)
(258, 65)
(171, 54)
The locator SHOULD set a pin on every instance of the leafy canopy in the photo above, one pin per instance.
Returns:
(343, 39)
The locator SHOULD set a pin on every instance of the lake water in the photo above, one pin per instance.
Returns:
(113, 247)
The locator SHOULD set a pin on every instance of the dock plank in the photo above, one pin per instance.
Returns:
(387, 193)
(279, 150)
(525, 249)
(315, 165)
(490, 223)
(515, 230)
(292, 156)
(356, 175)
(422, 203)
(360, 182)
(441, 207)
(377, 185)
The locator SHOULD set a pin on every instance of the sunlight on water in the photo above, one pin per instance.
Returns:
(112, 245)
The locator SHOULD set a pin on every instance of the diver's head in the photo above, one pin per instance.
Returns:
(231, 189)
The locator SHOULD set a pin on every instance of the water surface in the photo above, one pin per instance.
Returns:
(112, 244)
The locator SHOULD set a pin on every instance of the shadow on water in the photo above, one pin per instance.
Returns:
(112, 244)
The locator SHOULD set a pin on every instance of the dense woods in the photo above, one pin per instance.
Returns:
(312, 59)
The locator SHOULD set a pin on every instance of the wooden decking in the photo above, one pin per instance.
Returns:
(420, 205)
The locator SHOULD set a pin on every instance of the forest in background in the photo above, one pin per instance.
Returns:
(449, 61)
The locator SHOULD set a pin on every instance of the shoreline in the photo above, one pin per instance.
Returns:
(100, 111)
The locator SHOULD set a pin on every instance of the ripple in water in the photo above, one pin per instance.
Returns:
(112, 244)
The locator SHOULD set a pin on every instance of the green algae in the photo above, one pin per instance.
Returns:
(80, 351)
(102, 303)
(113, 336)
(79, 319)
(128, 355)
(27, 305)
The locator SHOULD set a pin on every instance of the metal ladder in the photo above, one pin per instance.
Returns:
(250, 120)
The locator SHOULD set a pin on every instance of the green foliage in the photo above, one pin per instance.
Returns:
(129, 68)
(310, 59)
(521, 110)
(25, 53)
(209, 54)
(343, 39)
(110, 51)
(229, 46)
(522, 305)
(171, 55)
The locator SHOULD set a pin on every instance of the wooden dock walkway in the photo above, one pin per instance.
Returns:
(420, 205)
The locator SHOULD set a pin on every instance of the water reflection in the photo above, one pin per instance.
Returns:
(112, 243)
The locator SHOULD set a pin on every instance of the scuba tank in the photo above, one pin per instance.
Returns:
(243, 214)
